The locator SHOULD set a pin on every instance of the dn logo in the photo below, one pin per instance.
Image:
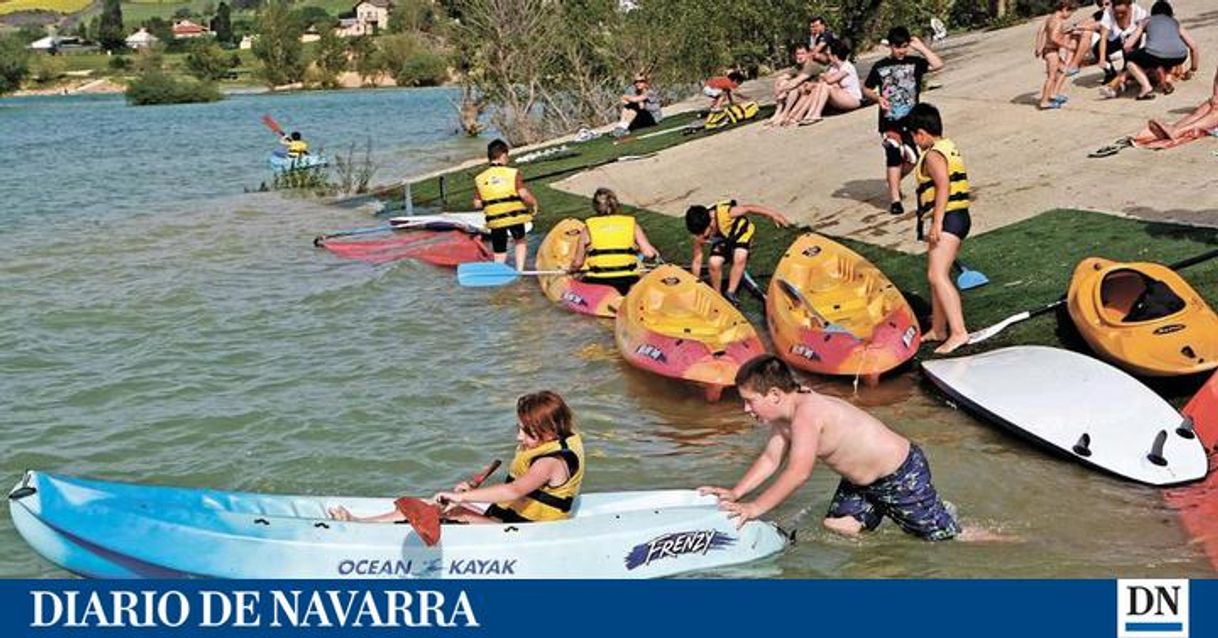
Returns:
(1152, 608)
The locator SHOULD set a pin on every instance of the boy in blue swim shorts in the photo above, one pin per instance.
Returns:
(883, 474)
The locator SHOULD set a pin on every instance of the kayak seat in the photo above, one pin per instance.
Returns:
(1130, 296)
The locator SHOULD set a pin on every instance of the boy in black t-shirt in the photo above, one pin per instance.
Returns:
(895, 83)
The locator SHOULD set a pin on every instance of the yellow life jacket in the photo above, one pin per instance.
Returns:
(297, 148)
(500, 201)
(957, 198)
(611, 251)
(732, 114)
(548, 503)
(737, 230)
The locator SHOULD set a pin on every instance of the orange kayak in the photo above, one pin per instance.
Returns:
(832, 312)
(676, 326)
(576, 295)
(1197, 504)
(1143, 317)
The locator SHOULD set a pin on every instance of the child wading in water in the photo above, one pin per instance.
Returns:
(943, 193)
(508, 205)
(543, 479)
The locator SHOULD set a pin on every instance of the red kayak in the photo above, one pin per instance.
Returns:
(1197, 504)
(439, 247)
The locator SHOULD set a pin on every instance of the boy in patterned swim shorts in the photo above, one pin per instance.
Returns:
(883, 474)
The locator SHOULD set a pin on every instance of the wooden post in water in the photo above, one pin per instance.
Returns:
(409, 198)
(443, 193)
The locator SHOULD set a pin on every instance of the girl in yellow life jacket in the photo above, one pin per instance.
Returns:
(943, 192)
(544, 477)
(297, 147)
(508, 205)
(726, 227)
(608, 248)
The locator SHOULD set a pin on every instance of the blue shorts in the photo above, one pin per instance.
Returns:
(906, 496)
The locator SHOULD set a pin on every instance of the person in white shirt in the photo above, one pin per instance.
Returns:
(838, 86)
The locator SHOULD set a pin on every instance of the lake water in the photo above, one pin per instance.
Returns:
(159, 324)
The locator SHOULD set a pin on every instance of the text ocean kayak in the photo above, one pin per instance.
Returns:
(676, 326)
(1143, 317)
(870, 327)
(117, 530)
(576, 295)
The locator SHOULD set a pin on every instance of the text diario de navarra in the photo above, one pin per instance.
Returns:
(251, 608)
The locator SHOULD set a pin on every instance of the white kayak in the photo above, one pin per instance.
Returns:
(118, 530)
(473, 222)
(1081, 406)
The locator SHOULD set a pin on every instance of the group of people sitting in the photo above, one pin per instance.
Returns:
(1151, 47)
(823, 76)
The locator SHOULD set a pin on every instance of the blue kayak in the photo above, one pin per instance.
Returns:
(281, 163)
(119, 530)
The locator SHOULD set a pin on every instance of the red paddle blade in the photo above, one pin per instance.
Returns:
(271, 123)
(422, 516)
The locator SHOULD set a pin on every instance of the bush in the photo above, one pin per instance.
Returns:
(49, 68)
(119, 63)
(14, 63)
(207, 61)
(156, 87)
(425, 68)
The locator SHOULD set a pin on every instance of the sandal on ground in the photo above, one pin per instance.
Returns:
(1108, 92)
(1168, 90)
(1106, 151)
(1060, 99)
(1145, 96)
(1050, 106)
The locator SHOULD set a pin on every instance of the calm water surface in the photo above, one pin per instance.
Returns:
(157, 324)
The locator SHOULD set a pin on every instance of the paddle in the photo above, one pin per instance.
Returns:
(272, 124)
(969, 278)
(424, 516)
(397, 223)
(483, 274)
(795, 295)
(986, 333)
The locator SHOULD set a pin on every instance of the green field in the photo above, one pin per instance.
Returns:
(59, 6)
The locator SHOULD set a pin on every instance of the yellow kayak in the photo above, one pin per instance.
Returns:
(832, 312)
(555, 253)
(1143, 317)
(676, 326)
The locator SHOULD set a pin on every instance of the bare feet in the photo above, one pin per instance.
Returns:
(953, 342)
(978, 535)
(932, 337)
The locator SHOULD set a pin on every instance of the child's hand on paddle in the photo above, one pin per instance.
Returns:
(446, 498)
(463, 486)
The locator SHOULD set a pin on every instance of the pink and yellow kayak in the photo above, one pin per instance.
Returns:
(555, 253)
(673, 325)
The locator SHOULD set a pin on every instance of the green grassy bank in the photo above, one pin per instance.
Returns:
(1029, 263)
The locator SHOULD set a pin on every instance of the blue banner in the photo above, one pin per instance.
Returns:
(902, 608)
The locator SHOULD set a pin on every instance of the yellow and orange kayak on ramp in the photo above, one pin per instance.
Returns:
(555, 253)
(831, 311)
(673, 325)
(1143, 317)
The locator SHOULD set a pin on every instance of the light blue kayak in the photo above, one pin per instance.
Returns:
(281, 163)
(118, 530)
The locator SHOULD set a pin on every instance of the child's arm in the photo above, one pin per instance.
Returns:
(640, 239)
(1194, 53)
(581, 252)
(761, 469)
(740, 210)
(936, 166)
(526, 195)
(1135, 38)
(1041, 37)
(936, 62)
(695, 265)
(1057, 31)
(800, 460)
(540, 473)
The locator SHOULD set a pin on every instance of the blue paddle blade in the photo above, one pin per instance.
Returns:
(969, 279)
(485, 274)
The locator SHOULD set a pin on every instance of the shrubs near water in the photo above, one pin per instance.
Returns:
(157, 87)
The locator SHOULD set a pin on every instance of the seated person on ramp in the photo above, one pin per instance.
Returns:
(723, 90)
(544, 477)
(640, 110)
(608, 249)
(508, 205)
(883, 473)
(726, 227)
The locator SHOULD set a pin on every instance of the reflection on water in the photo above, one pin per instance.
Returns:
(170, 331)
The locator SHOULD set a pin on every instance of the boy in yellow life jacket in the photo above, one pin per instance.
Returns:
(726, 227)
(543, 479)
(508, 205)
(297, 147)
(943, 193)
(608, 248)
